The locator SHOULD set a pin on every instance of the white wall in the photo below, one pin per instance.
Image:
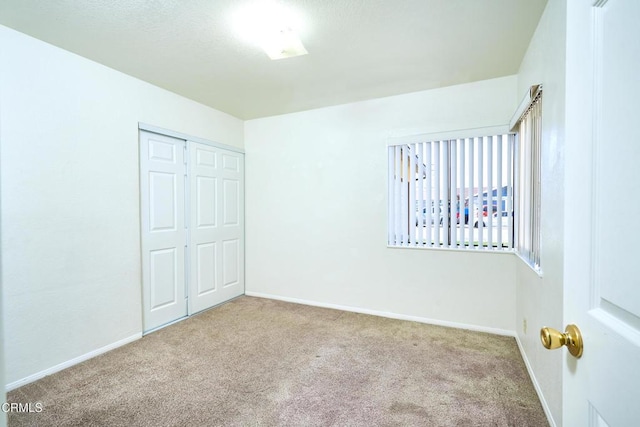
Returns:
(70, 198)
(316, 186)
(539, 300)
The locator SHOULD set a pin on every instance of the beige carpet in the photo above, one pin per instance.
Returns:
(258, 362)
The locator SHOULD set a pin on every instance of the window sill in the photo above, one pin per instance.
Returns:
(466, 250)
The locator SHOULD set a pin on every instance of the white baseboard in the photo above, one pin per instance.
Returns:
(495, 331)
(69, 363)
(536, 385)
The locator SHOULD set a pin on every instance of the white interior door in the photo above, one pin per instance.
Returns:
(162, 186)
(216, 226)
(602, 251)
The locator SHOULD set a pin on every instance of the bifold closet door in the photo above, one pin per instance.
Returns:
(162, 187)
(216, 226)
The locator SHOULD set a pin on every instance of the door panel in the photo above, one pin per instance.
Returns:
(205, 194)
(162, 151)
(163, 206)
(206, 268)
(206, 157)
(163, 266)
(602, 386)
(217, 216)
(231, 163)
(162, 185)
(231, 202)
(231, 262)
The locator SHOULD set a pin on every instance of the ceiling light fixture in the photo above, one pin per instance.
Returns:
(272, 27)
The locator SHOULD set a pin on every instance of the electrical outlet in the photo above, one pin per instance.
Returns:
(524, 326)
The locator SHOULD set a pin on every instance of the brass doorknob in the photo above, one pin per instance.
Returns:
(571, 337)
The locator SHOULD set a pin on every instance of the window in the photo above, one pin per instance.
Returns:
(452, 193)
(479, 192)
(528, 185)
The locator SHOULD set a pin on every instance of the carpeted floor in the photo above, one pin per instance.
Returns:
(258, 362)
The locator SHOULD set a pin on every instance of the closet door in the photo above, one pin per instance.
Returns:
(216, 226)
(162, 186)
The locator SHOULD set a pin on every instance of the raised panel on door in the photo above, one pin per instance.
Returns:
(162, 189)
(216, 216)
(205, 282)
(163, 272)
(230, 263)
(162, 202)
(205, 207)
(231, 202)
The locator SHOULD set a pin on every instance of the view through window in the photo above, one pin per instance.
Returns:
(453, 193)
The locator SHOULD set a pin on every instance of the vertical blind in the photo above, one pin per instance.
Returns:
(455, 193)
(528, 180)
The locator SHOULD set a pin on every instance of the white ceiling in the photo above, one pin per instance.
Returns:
(358, 49)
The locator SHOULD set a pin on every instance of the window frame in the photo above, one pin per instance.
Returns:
(399, 210)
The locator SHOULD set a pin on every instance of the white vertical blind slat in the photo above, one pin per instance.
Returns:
(470, 227)
(391, 221)
(405, 198)
(537, 181)
(444, 187)
(411, 182)
(420, 191)
(453, 193)
(510, 184)
(489, 192)
(398, 195)
(532, 179)
(480, 193)
(499, 177)
(461, 186)
(429, 200)
(517, 171)
(526, 193)
(436, 198)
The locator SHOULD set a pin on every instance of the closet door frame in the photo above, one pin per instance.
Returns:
(186, 137)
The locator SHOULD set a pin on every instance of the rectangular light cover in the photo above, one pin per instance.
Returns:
(284, 43)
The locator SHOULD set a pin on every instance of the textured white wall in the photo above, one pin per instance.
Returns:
(539, 300)
(70, 198)
(316, 229)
